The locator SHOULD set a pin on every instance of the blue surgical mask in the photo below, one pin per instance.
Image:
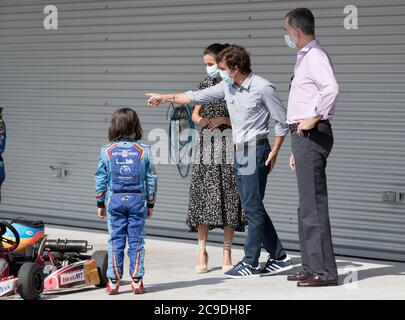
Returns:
(212, 71)
(289, 42)
(225, 76)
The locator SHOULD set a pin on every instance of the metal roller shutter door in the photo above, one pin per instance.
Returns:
(60, 87)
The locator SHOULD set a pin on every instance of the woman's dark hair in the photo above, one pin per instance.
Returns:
(125, 125)
(303, 19)
(235, 56)
(215, 48)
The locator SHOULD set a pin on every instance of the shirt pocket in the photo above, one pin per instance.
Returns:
(252, 105)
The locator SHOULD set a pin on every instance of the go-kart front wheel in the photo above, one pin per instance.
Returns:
(101, 258)
(30, 281)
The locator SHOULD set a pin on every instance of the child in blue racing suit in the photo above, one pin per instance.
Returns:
(126, 184)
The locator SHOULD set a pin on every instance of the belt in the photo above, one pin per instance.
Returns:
(126, 191)
(294, 126)
(242, 146)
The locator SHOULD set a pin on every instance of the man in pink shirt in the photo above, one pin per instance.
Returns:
(311, 105)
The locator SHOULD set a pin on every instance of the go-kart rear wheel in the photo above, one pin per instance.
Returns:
(101, 258)
(30, 281)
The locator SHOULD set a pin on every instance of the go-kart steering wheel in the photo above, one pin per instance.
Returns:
(12, 243)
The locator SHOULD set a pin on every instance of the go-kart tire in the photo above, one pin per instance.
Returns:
(30, 281)
(101, 258)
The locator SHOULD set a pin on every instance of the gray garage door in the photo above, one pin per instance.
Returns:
(59, 88)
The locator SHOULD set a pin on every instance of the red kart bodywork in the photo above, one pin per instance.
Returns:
(76, 275)
(54, 265)
(8, 284)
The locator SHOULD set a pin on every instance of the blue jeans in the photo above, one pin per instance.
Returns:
(252, 187)
(126, 220)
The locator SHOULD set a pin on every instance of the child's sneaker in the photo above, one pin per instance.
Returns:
(137, 286)
(112, 287)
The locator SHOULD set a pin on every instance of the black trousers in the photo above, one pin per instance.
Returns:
(311, 152)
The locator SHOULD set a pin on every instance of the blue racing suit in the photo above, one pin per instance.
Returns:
(127, 182)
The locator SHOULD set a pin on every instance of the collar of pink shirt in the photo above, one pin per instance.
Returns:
(313, 43)
(301, 53)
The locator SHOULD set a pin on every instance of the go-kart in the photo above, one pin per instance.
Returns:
(32, 264)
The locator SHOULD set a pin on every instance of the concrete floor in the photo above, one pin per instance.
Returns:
(170, 275)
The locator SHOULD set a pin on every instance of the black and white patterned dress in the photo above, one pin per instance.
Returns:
(214, 199)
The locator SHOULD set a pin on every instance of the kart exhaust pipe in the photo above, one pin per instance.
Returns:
(76, 246)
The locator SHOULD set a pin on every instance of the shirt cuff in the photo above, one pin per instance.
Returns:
(190, 96)
(281, 130)
(314, 113)
(324, 114)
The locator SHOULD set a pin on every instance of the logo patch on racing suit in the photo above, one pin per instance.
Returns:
(125, 168)
(126, 198)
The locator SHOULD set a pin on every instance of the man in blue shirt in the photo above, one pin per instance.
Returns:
(252, 101)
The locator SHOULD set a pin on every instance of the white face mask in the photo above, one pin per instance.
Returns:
(289, 42)
(212, 71)
(226, 77)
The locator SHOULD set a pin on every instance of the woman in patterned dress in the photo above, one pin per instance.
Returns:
(214, 199)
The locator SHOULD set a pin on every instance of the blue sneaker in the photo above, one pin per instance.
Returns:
(276, 266)
(243, 270)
